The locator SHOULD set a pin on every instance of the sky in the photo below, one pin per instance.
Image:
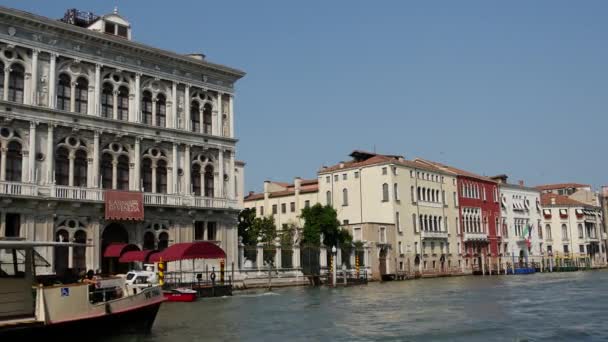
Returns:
(514, 87)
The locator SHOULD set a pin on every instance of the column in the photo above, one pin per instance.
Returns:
(7, 71)
(323, 256)
(97, 96)
(230, 191)
(259, 255)
(173, 122)
(52, 80)
(200, 118)
(3, 152)
(71, 168)
(115, 103)
(34, 98)
(220, 182)
(295, 256)
(187, 178)
(338, 260)
(187, 124)
(96, 156)
(49, 155)
(136, 116)
(277, 256)
(153, 123)
(220, 115)
(241, 253)
(154, 178)
(136, 162)
(73, 96)
(175, 167)
(114, 174)
(32, 155)
(483, 265)
(231, 115)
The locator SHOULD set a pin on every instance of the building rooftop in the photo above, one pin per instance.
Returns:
(363, 158)
(287, 189)
(457, 171)
(561, 186)
(557, 200)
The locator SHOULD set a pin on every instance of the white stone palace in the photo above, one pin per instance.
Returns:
(85, 111)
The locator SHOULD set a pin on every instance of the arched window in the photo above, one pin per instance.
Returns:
(344, 197)
(13, 162)
(63, 92)
(196, 179)
(15, 83)
(62, 166)
(146, 107)
(385, 192)
(61, 256)
(548, 232)
(396, 191)
(122, 173)
(79, 257)
(82, 95)
(209, 181)
(195, 117)
(107, 101)
(207, 118)
(106, 171)
(439, 224)
(1, 78)
(161, 177)
(149, 241)
(146, 174)
(123, 103)
(80, 168)
(419, 197)
(163, 241)
(328, 197)
(581, 233)
(564, 232)
(428, 195)
(161, 110)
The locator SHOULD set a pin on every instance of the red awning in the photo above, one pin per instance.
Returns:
(136, 256)
(189, 250)
(116, 250)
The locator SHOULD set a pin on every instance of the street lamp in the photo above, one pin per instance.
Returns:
(334, 252)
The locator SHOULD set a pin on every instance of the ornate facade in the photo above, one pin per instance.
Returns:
(83, 110)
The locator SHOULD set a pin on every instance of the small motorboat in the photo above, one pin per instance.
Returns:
(180, 295)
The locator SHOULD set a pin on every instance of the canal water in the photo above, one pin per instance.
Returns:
(539, 307)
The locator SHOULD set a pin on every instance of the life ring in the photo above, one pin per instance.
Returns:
(212, 276)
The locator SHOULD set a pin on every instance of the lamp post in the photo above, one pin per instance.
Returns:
(333, 253)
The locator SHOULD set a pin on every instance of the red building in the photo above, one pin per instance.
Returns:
(479, 210)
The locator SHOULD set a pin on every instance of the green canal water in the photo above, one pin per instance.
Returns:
(540, 307)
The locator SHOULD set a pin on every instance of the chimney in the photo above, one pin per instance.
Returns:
(520, 182)
(266, 186)
(341, 164)
(251, 193)
(553, 200)
(297, 184)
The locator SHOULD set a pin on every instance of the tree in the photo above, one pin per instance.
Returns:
(246, 219)
(319, 220)
(265, 228)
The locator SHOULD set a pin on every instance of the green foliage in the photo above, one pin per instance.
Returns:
(286, 235)
(251, 227)
(319, 220)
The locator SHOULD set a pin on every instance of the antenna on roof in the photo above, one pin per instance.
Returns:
(115, 9)
(374, 148)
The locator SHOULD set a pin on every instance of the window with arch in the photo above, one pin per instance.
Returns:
(63, 92)
(1, 77)
(328, 197)
(61, 254)
(13, 162)
(62, 165)
(396, 191)
(122, 99)
(146, 107)
(149, 241)
(79, 257)
(564, 232)
(196, 179)
(107, 101)
(385, 196)
(161, 176)
(146, 174)
(195, 120)
(122, 167)
(209, 181)
(82, 95)
(161, 110)
(207, 118)
(548, 231)
(581, 233)
(414, 223)
(15, 83)
(163, 241)
(344, 197)
(106, 171)
(80, 168)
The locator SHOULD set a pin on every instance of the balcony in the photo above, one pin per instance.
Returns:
(468, 236)
(430, 204)
(434, 235)
(70, 193)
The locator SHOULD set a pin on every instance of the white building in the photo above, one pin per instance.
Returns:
(521, 223)
(85, 111)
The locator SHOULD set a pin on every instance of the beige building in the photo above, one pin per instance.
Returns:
(284, 201)
(573, 229)
(404, 212)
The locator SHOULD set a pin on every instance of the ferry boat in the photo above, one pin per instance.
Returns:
(104, 306)
(143, 279)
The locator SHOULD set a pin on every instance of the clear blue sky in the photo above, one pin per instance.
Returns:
(515, 87)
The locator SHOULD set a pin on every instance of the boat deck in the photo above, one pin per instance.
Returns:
(18, 322)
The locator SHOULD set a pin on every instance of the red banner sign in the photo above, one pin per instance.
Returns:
(124, 205)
